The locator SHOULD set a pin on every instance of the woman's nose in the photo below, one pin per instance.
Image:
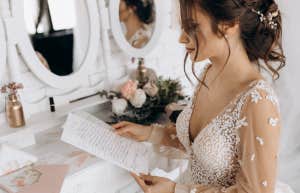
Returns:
(183, 39)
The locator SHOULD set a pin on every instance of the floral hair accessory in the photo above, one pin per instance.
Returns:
(268, 19)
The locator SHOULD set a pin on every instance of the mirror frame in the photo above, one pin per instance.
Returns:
(3, 47)
(161, 15)
(74, 80)
(3, 66)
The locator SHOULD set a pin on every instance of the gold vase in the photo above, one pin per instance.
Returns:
(144, 74)
(14, 111)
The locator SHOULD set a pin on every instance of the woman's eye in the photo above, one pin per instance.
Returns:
(190, 25)
(195, 26)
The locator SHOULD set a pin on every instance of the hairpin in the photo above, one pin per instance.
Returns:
(268, 19)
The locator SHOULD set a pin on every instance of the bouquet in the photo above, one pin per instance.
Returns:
(143, 103)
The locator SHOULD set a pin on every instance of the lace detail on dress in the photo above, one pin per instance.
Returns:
(144, 32)
(215, 151)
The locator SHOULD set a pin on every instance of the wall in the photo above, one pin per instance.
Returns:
(288, 90)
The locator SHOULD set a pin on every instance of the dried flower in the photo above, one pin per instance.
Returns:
(11, 88)
(139, 98)
(128, 89)
(3, 89)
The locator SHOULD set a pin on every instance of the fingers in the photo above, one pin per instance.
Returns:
(127, 135)
(123, 130)
(149, 178)
(140, 182)
(120, 124)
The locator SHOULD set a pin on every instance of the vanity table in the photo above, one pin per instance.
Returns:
(92, 72)
(87, 174)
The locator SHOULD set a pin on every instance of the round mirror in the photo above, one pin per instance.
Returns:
(138, 24)
(60, 40)
(137, 18)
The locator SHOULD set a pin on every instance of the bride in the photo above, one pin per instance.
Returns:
(232, 128)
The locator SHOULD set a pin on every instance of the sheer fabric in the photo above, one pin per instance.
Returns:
(237, 151)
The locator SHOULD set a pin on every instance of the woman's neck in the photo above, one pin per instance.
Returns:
(238, 70)
(132, 24)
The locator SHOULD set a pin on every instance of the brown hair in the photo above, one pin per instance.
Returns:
(260, 40)
(144, 9)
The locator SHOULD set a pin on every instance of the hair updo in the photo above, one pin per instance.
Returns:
(261, 40)
(144, 9)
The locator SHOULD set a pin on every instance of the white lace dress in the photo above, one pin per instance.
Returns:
(237, 151)
(141, 37)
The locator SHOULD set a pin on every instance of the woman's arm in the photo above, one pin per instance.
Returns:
(165, 135)
(156, 133)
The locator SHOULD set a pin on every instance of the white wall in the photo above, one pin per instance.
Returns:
(288, 89)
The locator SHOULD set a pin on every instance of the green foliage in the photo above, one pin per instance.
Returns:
(169, 91)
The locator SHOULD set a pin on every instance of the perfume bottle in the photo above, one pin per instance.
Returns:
(13, 106)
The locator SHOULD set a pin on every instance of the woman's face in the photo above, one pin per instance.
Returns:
(209, 43)
(124, 11)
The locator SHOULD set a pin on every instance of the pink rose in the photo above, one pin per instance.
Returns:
(129, 88)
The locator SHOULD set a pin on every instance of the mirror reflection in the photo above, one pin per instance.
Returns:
(137, 18)
(59, 32)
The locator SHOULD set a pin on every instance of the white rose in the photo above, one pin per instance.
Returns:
(139, 98)
(119, 106)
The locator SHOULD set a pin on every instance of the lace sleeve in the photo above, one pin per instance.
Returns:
(259, 141)
(165, 135)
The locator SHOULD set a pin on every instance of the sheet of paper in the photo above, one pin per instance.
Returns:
(133, 187)
(96, 137)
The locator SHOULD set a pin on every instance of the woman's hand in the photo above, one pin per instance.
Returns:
(152, 184)
(133, 131)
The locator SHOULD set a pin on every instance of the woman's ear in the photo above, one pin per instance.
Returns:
(233, 30)
(133, 8)
(229, 29)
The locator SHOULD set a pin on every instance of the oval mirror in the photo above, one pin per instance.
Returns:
(138, 24)
(60, 40)
(137, 18)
